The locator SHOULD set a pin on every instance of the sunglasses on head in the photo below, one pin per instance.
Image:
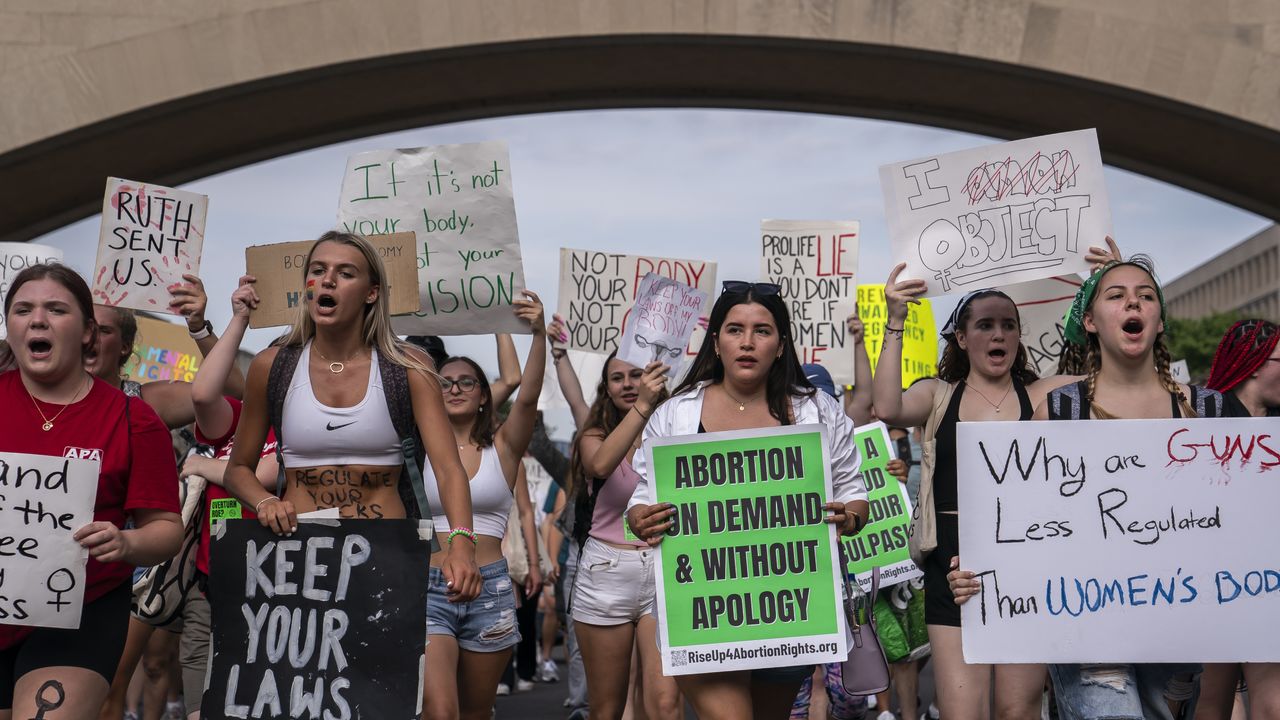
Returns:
(742, 287)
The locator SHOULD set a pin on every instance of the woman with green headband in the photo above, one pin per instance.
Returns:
(1118, 317)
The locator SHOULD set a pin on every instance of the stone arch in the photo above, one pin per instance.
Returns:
(173, 90)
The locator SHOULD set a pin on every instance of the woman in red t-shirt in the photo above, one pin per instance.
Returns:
(217, 416)
(54, 407)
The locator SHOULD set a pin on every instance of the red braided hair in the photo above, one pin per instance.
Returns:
(1243, 349)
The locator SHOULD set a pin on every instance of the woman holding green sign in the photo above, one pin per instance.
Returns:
(747, 375)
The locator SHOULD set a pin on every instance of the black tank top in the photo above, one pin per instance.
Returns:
(944, 458)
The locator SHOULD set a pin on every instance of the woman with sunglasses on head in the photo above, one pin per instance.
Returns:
(612, 597)
(52, 404)
(471, 643)
(1246, 370)
(747, 375)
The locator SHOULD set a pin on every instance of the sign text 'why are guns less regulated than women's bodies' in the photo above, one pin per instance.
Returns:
(1105, 540)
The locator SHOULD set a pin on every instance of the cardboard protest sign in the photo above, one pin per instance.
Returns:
(748, 577)
(163, 351)
(150, 236)
(1106, 540)
(814, 263)
(46, 500)
(883, 542)
(919, 335)
(328, 623)
(1042, 304)
(1179, 371)
(280, 271)
(459, 201)
(662, 321)
(998, 214)
(597, 290)
(16, 257)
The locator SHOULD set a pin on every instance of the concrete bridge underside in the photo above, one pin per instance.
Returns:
(1187, 92)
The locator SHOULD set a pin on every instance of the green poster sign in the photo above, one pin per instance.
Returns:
(748, 576)
(883, 542)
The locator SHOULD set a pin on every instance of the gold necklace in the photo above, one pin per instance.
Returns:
(742, 406)
(337, 366)
(48, 421)
(1002, 397)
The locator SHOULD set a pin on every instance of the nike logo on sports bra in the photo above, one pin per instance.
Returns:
(331, 426)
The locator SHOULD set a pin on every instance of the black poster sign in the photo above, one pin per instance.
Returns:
(328, 624)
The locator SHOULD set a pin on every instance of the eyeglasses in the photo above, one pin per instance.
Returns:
(742, 287)
(465, 384)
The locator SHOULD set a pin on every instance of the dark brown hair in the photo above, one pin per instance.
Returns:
(603, 417)
(954, 365)
(486, 422)
(67, 278)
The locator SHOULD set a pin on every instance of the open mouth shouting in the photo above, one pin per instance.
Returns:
(326, 303)
(40, 348)
(1132, 328)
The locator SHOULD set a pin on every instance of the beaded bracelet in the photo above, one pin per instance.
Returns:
(465, 532)
(258, 506)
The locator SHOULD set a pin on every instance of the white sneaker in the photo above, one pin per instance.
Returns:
(504, 689)
(871, 702)
(523, 685)
(549, 673)
(886, 715)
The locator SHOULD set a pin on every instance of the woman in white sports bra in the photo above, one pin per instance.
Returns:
(337, 440)
(470, 643)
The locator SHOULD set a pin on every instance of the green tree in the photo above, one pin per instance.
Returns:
(1195, 341)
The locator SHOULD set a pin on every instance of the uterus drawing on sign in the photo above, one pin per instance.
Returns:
(659, 350)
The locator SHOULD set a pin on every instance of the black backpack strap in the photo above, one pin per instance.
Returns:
(395, 385)
(282, 369)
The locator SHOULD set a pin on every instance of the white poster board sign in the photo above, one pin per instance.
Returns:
(663, 319)
(814, 263)
(1042, 304)
(149, 238)
(16, 257)
(597, 290)
(460, 202)
(1106, 540)
(998, 214)
(1180, 372)
(42, 568)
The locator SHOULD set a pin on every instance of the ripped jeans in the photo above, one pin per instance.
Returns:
(1103, 692)
(486, 624)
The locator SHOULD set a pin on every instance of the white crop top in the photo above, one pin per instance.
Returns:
(316, 434)
(491, 497)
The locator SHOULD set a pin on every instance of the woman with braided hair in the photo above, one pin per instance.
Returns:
(1246, 370)
(1118, 317)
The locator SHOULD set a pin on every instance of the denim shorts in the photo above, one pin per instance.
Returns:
(1124, 692)
(486, 624)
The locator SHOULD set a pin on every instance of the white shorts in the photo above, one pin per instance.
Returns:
(613, 586)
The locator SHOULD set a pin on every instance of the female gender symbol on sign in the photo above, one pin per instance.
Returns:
(70, 583)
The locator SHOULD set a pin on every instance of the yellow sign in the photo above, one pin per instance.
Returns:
(919, 338)
(163, 351)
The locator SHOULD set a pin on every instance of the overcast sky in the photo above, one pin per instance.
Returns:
(682, 183)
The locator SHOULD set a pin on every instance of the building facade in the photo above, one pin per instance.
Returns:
(1244, 279)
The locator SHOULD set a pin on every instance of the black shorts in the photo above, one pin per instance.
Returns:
(96, 645)
(939, 604)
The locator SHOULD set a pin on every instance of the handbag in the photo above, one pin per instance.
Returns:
(922, 538)
(161, 591)
(865, 671)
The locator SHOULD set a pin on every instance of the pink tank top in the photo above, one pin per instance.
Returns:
(606, 523)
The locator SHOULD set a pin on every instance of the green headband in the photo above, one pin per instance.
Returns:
(1073, 323)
